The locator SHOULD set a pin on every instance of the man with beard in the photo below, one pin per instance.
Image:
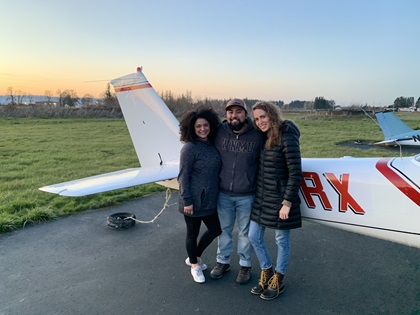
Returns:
(239, 144)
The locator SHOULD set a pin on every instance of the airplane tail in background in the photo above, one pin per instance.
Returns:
(396, 131)
(391, 125)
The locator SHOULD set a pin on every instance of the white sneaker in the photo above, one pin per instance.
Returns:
(198, 275)
(202, 265)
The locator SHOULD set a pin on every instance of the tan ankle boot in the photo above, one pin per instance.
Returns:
(275, 287)
(266, 274)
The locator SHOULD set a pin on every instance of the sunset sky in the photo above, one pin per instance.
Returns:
(353, 52)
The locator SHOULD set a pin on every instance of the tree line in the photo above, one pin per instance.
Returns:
(64, 98)
(178, 104)
(404, 102)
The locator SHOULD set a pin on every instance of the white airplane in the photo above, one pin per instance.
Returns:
(396, 131)
(379, 197)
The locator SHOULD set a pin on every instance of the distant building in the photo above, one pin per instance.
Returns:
(407, 109)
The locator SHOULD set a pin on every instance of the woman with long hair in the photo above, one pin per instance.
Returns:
(277, 203)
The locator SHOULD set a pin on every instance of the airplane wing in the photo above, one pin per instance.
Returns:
(115, 180)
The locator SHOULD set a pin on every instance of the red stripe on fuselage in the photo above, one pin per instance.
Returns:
(133, 87)
(397, 181)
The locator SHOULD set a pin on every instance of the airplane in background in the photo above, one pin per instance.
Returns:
(379, 197)
(396, 131)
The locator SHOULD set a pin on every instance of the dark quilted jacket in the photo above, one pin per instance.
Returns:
(279, 177)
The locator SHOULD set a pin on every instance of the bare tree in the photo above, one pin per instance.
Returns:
(87, 100)
(30, 99)
(19, 96)
(11, 96)
(60, 98)
(69, 98)
(48, 95)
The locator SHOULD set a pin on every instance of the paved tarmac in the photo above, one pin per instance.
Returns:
(77, 265)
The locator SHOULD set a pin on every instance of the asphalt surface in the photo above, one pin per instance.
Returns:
(78, 265)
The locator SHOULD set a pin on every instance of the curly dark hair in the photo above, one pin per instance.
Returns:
(186, 126)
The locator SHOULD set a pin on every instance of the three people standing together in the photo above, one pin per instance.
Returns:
(251, 168)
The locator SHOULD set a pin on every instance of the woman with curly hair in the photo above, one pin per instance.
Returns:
(277, 203)
(198, 180)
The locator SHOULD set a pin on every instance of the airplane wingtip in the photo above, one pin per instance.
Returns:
(52, 190)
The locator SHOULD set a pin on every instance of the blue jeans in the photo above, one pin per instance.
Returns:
(231, 209)
(256, 237)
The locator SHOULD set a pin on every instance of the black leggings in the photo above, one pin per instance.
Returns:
(195, 250)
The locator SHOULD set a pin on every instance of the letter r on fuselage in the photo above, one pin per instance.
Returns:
(316, 189)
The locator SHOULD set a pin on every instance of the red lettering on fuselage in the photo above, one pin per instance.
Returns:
(315, 190)
(341, 186)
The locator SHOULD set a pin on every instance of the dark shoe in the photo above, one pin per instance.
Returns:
(218, 270)
(244, 275)
(275, 287)
(266, 274)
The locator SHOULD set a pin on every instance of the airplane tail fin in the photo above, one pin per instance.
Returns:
(391, 125)
(154, 132)
(153, 128)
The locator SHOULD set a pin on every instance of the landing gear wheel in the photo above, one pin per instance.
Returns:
(121, 220)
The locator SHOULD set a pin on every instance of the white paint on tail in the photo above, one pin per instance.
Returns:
(154, 131)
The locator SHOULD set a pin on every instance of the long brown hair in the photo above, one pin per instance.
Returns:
(275, 117)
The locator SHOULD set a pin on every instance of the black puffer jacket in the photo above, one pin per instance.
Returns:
(279, 177)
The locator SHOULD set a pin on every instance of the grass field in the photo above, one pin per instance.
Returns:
(38, 152)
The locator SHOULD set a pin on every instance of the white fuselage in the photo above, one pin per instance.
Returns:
(373, 196)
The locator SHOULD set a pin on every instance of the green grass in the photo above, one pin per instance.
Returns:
(322, 136)
(39, 152)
